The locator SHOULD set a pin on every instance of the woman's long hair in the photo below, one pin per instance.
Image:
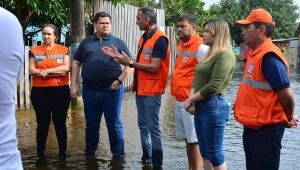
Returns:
(222, 39)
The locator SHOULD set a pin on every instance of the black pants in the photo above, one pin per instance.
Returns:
(51, 102)
(262, 147)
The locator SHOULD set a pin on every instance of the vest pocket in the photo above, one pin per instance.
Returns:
(182, 92)
(248, 116)
(151, 85)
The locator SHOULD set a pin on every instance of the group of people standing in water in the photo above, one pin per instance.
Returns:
(203, 70)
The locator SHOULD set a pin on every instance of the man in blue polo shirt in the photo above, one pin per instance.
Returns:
(102, 86)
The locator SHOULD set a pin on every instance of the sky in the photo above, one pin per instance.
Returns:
(208, 3)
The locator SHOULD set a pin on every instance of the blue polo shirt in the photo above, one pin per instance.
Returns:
(275, 72)
(98, 69)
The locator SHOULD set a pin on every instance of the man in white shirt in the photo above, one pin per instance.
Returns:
(190, 51)
(11, 59)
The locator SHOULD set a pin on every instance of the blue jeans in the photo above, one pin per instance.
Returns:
(262, 147)
(148, 121)
(107, 101)
(210, 120)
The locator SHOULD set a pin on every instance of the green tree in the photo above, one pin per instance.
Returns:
(36, 12)
(175, 8)
(284, 14)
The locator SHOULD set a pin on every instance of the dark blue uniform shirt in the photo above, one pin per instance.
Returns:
(98, 69)
(275, 72)
(160, 47)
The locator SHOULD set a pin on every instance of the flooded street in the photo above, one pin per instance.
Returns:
(174, 149)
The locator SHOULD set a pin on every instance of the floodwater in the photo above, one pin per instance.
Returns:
(174, 149)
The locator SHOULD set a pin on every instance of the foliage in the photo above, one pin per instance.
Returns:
(37, 12)
(141, 3)
(284, 14)
(175, 8)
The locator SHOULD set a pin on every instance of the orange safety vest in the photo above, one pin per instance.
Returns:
(184, 71)
(256, 103)
(45, 59)
(151, 84)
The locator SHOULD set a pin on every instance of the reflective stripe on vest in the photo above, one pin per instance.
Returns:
(40, 57)
(186, 53)
(257, 84)
(147, 50)
(56, 56)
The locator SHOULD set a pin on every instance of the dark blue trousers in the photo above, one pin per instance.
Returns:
(107, 101)
(262, 147)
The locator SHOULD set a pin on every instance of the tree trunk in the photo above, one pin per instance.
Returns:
(77, 33)
(77, 21)
(24, 13)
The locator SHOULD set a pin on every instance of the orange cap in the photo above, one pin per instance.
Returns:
(257, 15)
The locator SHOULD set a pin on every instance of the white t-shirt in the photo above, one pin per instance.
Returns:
(201, 51)
(11, 59)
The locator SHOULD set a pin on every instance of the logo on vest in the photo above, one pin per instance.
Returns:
(59, 60)
(147, 57)
(250, 69)
(185, 59)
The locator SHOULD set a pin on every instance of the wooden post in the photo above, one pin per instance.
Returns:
(26, 78)
(22, 88)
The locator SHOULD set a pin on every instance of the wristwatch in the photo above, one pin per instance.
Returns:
(131, 64)
(120, 81)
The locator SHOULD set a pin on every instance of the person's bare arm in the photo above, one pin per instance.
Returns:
(74, 79)
(125, 60)
(62, 69)
(33, 70)
(152, 67)
(126, 71)
(287, 101)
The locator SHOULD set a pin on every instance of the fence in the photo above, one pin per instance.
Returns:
(123, 19)
(289, 47)
(22, 99)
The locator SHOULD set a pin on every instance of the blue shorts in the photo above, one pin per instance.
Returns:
(210, 120)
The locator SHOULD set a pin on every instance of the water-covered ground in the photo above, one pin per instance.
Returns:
(174, 149)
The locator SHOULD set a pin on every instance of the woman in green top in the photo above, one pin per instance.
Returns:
(212, 76)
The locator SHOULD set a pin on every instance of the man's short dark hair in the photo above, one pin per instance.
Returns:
(188, 17)
(149, 13)
(100, 15)
(270, 28)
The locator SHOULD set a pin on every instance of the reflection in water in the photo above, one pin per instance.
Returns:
(174, 149)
